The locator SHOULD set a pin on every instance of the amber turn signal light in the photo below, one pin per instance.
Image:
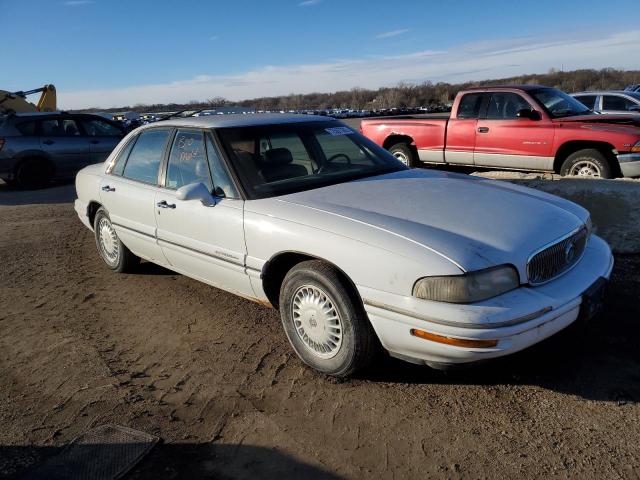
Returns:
(458, 342)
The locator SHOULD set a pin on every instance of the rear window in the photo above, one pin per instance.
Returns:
(470, 105)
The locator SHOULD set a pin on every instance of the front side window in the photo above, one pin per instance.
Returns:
(146, 155)
(188, 160)
(470, 104)
(59, 127)
(100, 128)
(315, 154)
(614, 102)
(222, 183)
(506, 105)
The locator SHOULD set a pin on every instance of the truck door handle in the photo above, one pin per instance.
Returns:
(107, 188)
(48, 142)
(164, 204)
(483, 129)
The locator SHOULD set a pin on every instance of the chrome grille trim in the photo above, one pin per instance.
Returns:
(550, 261)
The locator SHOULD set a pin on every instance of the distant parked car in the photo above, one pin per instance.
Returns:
(633, 88)
(626, 102)
(38, 147)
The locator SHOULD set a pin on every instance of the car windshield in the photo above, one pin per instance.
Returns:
(558, 104)
(273, 160)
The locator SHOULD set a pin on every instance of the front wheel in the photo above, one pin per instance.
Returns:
(112, 251)
(586, 163)
(323, 320)
(405, 153)
(33, 173)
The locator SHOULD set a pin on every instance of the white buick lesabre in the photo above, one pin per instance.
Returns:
(355, 250)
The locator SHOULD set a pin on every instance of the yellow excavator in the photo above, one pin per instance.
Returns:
(16, 102)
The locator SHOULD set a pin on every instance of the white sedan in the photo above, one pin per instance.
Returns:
(358, 252)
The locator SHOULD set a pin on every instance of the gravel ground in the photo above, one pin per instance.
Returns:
(215, 378)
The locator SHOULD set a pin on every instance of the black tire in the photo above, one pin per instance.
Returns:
(33, 173)
(586, 161)
(405, 153)
(123, 260)
(358, 344)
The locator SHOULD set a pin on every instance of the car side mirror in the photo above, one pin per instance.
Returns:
(528, 113)
(196, 191)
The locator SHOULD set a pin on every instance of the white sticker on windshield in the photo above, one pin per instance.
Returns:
(339, 131)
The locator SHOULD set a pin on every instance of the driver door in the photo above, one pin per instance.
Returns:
(203, 242)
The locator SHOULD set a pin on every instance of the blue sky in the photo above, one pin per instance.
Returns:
(111, 52)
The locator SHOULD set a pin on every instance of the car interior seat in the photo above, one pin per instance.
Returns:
(278, 165)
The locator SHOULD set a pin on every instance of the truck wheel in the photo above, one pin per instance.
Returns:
(326, 326)
(33, 173)
(112, 251)
(404, 153)
(586, 163)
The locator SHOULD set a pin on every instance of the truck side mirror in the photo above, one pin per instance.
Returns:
(528, 113)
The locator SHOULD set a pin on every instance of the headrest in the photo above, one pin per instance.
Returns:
(278, 156)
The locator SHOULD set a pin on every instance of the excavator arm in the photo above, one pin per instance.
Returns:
(16, 102)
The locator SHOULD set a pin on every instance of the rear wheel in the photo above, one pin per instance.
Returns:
(405, 153)
(112, 251)
(586, 163)
(323, 320)
(33, 173)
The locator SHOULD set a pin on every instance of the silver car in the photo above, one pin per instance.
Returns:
(611, 102)
(38, 147)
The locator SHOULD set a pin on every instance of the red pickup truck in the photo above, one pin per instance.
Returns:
(527, 127)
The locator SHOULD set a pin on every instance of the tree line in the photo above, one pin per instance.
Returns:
(407, 95)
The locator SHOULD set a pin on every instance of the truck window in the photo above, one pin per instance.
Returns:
(505, 105)
(470, 104)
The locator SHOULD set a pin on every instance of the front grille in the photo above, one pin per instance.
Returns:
(556, 259)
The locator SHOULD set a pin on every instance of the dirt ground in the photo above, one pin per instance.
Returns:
(214, 377)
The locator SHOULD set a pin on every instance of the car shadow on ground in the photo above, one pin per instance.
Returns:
(184, 460)
(58, 192)
(599, 360)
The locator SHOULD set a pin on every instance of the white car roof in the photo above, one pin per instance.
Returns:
(238, 120)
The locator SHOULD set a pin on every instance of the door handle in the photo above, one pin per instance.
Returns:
(107, 188)
(483, 129)
(48, 142)
(164, 204)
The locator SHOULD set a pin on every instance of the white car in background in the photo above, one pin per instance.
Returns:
(617, 103)
(357, 251)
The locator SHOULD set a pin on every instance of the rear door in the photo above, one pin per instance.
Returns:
(461, 129)
(103, 137)
(506, 141)
(62, 139)
(203, 241)
(128, 192)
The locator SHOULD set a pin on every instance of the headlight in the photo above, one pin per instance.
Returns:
(468, 288)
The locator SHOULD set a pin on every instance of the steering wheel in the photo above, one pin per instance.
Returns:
(330, 160)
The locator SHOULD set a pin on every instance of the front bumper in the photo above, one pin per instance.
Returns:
(629, 164)
(517, 319)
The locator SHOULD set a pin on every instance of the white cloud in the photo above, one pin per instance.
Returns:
(465, 62)
(308, 3)
(393, 33)
(77, 3)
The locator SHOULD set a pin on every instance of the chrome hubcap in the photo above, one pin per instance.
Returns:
(585, 168)
(402, 157)
(108, 241)
(316, 321)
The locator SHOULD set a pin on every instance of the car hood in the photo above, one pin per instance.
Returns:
(604, 119)
(475, 223)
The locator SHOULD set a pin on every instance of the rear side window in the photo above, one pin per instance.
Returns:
(118, 164)
(188, 161)
(27, 129)
(613, 102)
(100, 128)
(146, 155)
(588, 101)
(60, 127)
(470, 105)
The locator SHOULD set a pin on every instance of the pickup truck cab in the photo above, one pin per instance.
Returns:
(528, 127)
